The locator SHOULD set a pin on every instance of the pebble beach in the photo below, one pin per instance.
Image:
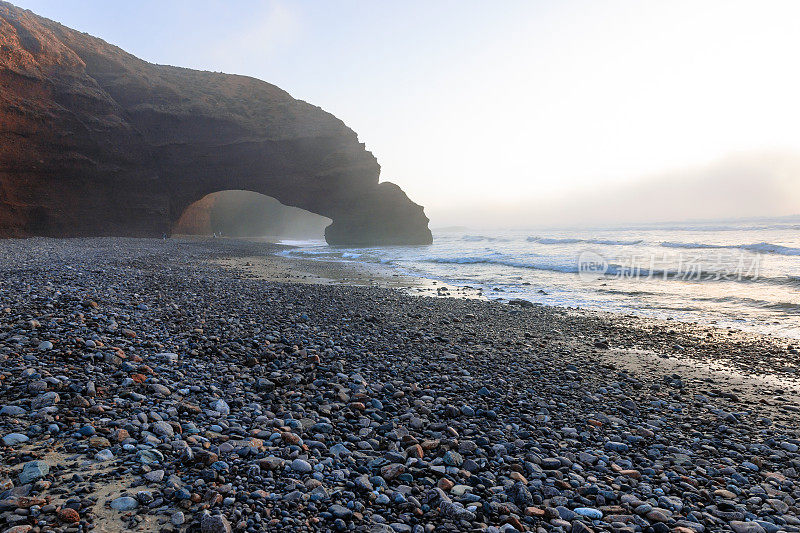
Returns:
(209, 385)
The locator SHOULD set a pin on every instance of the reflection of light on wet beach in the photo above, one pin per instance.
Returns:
(774, 388)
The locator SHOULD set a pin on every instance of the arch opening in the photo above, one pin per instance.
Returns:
(247, 214)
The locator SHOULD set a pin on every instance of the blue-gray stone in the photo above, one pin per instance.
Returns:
(322, 427)
(619, 447)
(588, 512)
(340, 511)
(12, 410)
(299, 465)
(147, 457)
(318, 494)
(124, 503)
(339, 449)
(104, 455)
(452, 458)
(214, 524)
(220, 466)
(221, 406)
(33, 471)
(12, 439)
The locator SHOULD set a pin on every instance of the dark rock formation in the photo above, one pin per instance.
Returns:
(94, 141)
(248, 214)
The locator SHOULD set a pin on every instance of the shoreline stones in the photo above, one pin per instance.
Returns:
(185, 397)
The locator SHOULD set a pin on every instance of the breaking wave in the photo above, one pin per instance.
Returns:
(609, 242)
(503, 262)
(761, 247)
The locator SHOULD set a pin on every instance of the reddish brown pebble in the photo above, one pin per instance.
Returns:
(516, 476)
(415, 451)
(65, 514)
(445, 484)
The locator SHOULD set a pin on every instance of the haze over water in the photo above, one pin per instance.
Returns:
(743, 274)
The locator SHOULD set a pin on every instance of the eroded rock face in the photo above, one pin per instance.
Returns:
(94, 141)
(248, 214)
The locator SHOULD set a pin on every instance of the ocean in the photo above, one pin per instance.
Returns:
(741, 274)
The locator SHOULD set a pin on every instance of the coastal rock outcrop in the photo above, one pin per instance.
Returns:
(94, 141)
(248, 214)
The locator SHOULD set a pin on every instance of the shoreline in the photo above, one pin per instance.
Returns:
(393, 275)
(736, 374)
(183, 382)
(273, 267)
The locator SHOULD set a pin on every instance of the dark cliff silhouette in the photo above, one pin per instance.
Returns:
(94, 141)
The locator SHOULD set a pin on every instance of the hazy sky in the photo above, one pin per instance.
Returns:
(518, 105)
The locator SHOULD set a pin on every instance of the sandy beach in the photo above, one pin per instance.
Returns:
(191, 384)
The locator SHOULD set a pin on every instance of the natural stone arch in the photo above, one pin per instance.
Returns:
(99, 142)
(248, 214)
(332, 176)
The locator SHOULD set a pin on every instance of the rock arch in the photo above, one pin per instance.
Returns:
(248, 214)
(94, 141)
